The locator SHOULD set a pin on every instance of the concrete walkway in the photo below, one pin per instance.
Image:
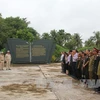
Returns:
(41, 82)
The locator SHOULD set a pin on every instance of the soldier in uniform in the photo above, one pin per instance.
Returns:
(1, 60)
(79, 66)
(8, 60)
(95, 65)
(91, 63)
(85, 73)
(98, 71)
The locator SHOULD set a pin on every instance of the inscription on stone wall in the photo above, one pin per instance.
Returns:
(38, 50)
(22, 51)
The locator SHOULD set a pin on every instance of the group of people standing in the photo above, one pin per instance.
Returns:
(5, 59)
(82, 65)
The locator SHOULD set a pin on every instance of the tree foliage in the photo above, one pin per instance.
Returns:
(64, 39)
(90, 42)
(25, 35)
(97, 38)
(16, 27)
(93, 41)
(45, 36)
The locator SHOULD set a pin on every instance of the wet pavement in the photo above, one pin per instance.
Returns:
(41, 82)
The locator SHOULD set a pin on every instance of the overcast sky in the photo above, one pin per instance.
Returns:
(81, 16)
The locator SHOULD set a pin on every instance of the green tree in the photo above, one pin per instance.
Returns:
(70, 45)
(53, 34)
(45, 36)
(90, 42)
(25, 35)
(12, 27)
(61, 37)
(77, 40)
(97, 38)
(74, 41)
(67, 38)
(14, 24)
(58, 36)
(3, 32)
(34, 33)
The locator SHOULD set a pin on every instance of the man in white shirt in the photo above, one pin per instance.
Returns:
(75, 57)
(70, 62)
(61, 59)
(62, 55)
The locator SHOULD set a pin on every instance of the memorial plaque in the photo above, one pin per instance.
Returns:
(39, 51)
(22, 51)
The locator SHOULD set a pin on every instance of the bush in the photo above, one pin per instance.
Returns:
(53, 58)
(4, 50)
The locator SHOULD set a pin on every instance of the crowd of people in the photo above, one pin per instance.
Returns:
(5, 59)
(84, 65)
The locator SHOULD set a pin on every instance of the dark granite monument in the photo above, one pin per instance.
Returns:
(38, 51)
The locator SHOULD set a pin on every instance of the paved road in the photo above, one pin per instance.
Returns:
(41, 82)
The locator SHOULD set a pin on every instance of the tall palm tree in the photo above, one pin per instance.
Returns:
(97, 38)
(78, 41)
(90, 42)
(45, 36)
(53, 34)
(67, 37)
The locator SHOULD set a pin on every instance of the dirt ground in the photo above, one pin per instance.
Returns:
(41, 82)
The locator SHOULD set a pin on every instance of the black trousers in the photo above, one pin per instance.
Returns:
(85, 73)
(70, 69)
(74, 69)
(79, 73)
(66, 66)
(62, 67)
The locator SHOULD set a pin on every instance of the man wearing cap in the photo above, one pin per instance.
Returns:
(8, 60)
(1, 60)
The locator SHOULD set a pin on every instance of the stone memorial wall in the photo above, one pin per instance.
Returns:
(39, 51)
